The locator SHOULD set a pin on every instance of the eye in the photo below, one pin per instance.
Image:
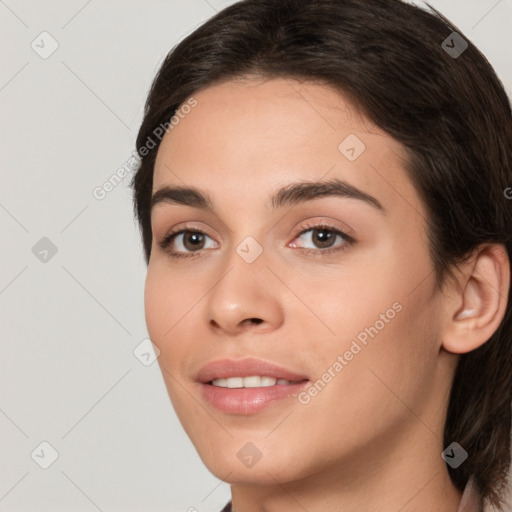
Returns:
(186, 242)
(323, 239)
(189, 243)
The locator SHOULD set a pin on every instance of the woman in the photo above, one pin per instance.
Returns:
(324, 209)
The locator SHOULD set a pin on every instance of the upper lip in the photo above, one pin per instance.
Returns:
(225, 368)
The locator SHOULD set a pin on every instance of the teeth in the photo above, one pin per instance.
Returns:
(254, 381)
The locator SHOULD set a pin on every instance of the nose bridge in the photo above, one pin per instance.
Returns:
(245, 289)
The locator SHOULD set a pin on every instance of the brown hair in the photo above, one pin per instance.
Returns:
(396, 62)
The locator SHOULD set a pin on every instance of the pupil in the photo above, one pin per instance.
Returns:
(193, 240)
(323, 237)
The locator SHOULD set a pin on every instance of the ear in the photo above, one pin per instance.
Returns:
(476, 302)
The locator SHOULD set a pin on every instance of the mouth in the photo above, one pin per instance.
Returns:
(252, 381)
(247, 386)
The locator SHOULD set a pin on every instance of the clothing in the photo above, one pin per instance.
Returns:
(471, 500)
(227, 508)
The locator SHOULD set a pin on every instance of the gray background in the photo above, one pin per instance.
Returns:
(71, 323)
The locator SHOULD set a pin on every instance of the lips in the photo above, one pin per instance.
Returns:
(227, 395)
(225, 368)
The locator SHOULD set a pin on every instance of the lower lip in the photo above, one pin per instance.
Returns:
(248, 400)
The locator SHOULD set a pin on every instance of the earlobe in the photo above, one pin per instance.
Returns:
(480, 300)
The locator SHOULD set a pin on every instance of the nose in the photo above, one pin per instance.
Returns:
(245, 298)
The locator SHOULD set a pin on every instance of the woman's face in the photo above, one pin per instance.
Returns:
(350, 321)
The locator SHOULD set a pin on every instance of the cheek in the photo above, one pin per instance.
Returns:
(165, 303)
(155, 305)
(173, 302)
(168, 297)
(390, 348)
(343, 304)
(380, 317)
(363, 396)
(165, 310)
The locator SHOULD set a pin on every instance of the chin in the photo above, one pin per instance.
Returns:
(234, 465)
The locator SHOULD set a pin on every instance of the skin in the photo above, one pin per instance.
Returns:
(372, 439)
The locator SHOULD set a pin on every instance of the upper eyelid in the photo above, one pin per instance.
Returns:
(311, 224)
(303, 229)
(312, 220)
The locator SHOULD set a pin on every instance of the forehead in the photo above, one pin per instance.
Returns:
(251, 137)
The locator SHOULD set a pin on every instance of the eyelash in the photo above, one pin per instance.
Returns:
(348, 241)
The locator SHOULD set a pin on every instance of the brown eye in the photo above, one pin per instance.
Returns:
(323, 238)
(186, 242)
(193, 240)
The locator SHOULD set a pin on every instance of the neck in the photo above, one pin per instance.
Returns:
(403, 473)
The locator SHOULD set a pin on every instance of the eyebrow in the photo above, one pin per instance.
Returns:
(288, 195)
